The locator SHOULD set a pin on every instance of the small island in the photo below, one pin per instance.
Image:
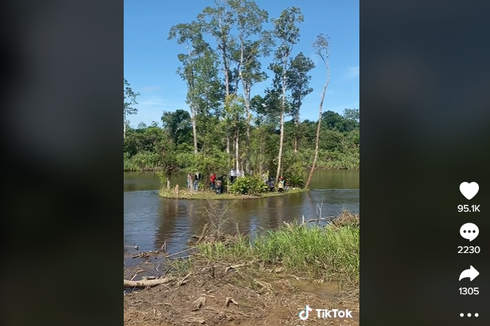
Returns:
(237, 186)
(211, 195)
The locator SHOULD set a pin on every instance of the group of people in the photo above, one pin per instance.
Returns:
(217, 184)
(281, 184)
(193, 181)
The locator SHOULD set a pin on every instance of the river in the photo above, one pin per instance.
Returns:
(151, 221)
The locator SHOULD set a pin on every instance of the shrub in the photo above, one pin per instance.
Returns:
(294, 169)
(248, 185)
(295, 175)
(146, 160)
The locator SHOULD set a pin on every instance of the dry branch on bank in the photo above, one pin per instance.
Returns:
(230, 300)
(311, 220)
(147, 283)
(233, 267)
(184, 280)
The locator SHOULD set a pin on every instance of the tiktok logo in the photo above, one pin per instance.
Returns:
(303, 315)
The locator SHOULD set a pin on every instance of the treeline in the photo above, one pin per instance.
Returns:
(226, 128)
(338, 145)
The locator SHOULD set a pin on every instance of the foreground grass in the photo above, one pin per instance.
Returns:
(207, 194)
(330, 252)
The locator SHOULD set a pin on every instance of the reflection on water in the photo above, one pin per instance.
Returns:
(151, 221)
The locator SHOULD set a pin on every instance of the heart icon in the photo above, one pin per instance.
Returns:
(469, 190)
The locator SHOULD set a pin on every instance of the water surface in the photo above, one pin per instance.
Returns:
(151, 221)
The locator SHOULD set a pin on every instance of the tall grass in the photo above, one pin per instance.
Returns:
(329, 252)
(313, 249)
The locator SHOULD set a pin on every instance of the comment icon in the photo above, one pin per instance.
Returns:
(469, 231)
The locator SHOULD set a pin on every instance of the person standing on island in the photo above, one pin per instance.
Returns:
(212, 181)
(232, 176)
(280, 185)
(196, 181)
(265, 177)
(189, 182)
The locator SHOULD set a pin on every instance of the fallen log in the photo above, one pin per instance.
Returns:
(147, 283)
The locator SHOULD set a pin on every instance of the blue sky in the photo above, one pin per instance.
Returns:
(150, 60)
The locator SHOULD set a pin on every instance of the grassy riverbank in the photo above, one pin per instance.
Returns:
(211, 195)
(268, 279)
(328, 253)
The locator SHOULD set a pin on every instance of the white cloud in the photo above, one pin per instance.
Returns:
(152, 102)
(352, 72)
(152, 88)
(158, 102)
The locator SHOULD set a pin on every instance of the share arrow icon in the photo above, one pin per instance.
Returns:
(470, 273)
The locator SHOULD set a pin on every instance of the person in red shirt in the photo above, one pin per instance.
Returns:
(212, 180)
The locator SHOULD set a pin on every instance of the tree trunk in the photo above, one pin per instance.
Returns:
(310, 176)
(281, 138)
(237, 155)
(227, 142)
(194, 133)
(227, 91)
(296, 134)
(260, 158)
(246, 97)
(227, 79)
(247, 131)
(224, 50)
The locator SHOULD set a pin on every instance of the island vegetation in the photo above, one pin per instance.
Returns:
(228, 129)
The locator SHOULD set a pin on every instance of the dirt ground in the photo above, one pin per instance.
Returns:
(243, 294)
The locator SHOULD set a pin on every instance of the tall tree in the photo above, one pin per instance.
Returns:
(198, 70)
(321, 47)
(257, 105)
(286, 32)
(218, 21)
(206, 94)
(298, 83)
(249, 24)
(234, 112)
(129, 101)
